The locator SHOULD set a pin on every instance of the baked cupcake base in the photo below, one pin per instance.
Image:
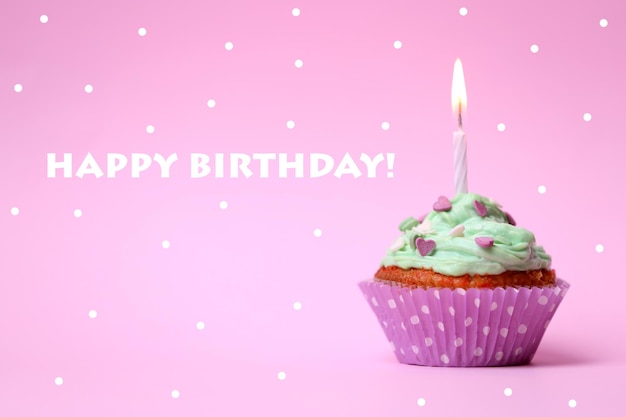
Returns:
(463, 327)
(414, 277)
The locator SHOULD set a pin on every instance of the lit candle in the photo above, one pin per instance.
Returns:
(459, 103)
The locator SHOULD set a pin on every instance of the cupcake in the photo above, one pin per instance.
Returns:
(464, 286)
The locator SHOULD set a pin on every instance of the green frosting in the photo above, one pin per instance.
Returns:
(456, 252)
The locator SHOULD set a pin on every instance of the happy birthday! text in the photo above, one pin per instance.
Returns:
(220, 165)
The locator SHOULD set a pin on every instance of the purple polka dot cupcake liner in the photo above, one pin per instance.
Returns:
(457, 327)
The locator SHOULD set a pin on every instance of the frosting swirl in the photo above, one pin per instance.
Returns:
(471, 235)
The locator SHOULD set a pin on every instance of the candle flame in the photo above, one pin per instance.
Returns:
(459, 95)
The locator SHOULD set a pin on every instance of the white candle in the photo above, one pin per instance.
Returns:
(459, 103)
(460, 161)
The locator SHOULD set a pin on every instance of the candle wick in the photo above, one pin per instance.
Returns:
(460, 122)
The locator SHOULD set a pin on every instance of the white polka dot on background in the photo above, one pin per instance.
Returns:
(297, 305)
(223, 205)
(281, 375)
(421, 402)
(295, 11)
(463, 11)
(78, 213)
(142, 31)
(317, 232)
(43, 18)
(397, 44)
(599, 248)
(229, 46)
(385, 125)
(211, 103)
(291, 124)
(501, 127)
(587, 117)
(18, 88)
(150, 129)
(93, 314)
(298, 63)
(571, 403)
(88, 88)
(175, 394)
(508, 392)
(15, 211)
(200, 325)
(534, 48)
(58, 381)
(542, 189)
(166, 244)
(604, 23)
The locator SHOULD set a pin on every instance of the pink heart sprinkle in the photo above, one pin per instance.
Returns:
(484, 242)
(480, 208)
(442, 204)
(510, 219)
(424, 247)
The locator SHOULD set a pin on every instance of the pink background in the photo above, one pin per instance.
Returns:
(97, 318)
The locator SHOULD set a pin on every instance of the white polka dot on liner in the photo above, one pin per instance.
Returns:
(88, 88)
(142, 32)
(43, 18)
(295, 12)
(223, 205)
(211, 103)
(175, 394)
(501, 127)
(397, 44)
(478, 351)
(166, 244)
(414, 320)
(425, 310)
(298, 63)
(15, 211)
(599, 248)
(291, 124)
(421, 402)
(604, 23)
(297, 305)
(444, 358)
(463, 11)
(93, 314)
(385, 125)
(508, 392)
(78, 213)
(200, 325)
(281, 375)
(458, 342)
(150, 129)
(58, 381)
(587, 117)
(317, 232)
(571, 403)
(18, 88)
(229, 46)
(534, 48)
(542, 189)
